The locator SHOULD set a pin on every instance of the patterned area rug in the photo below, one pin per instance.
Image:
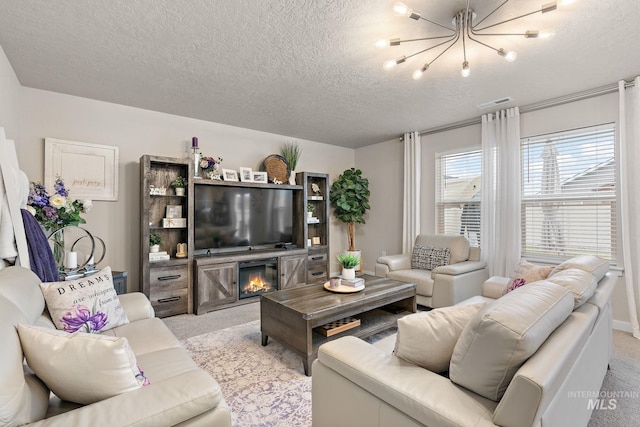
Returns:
(264, 386)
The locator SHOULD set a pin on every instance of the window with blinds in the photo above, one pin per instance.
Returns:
(569, 194)
(458, 193)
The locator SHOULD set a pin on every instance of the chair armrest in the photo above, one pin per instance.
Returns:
(136, 306)
(494, 286)
(396, 262)
(460, 268)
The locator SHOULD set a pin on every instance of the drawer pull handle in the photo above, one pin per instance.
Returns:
(177, 276)
(317, 273)
(170, 299)
(315, 258)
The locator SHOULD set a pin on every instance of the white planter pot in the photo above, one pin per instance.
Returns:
(358, 254)
(292, 178)
(349, 273)
(179, 191)
(154, 248)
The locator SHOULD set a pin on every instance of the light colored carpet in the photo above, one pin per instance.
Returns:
(263, 374)
(263, 386)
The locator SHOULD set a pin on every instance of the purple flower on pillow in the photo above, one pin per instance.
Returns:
(515, 284)
(81, 318)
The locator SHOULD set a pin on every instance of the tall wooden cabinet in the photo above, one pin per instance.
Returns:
(314, 231)
(166, 282)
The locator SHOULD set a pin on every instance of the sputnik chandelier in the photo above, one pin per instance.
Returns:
(466, 29)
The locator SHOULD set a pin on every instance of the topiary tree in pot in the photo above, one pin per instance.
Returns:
(349, 197)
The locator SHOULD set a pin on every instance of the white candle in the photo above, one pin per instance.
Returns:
(90, 260)
(71, 260)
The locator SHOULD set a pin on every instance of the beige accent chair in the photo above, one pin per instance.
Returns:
(443, 286)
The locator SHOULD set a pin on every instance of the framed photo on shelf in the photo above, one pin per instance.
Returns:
(260, 177)
(174, 211)
(246, 175)
(229, 175)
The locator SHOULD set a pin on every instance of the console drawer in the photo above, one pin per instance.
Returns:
(169, 290)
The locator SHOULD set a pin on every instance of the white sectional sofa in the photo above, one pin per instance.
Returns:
(443, 286)
(179, 392)
(360, 384)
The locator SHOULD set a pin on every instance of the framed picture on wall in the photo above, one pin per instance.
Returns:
(229, 175)
(246, 175)
(89, 171)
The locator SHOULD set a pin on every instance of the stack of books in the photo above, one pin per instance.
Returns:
(158, 256)
(353, 283)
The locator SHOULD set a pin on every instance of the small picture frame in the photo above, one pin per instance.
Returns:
(229, 175)
(246, 175)
(261, 177)
(174, 211)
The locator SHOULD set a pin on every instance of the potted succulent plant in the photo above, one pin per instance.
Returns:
(179, 184)
(310, 210)
(154, 242)
(349, 197)
(348, 261)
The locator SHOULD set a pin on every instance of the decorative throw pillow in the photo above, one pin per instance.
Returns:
(513, 285)
(89, 304)
(504, 334)
(582, 283)
(428, 257)
(80, 367)
(427, 339)
(530, 272)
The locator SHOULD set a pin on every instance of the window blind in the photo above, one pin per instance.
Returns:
(458, 195)
(569, 194)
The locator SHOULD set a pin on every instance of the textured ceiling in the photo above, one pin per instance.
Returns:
(308, 69)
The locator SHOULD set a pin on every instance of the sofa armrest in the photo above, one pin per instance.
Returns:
(396, 262)
(165, 402)
(494, 286)
(427, 397)
(136, 306)
(460, 268)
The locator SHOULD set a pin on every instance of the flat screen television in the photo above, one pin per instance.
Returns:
(230, 218)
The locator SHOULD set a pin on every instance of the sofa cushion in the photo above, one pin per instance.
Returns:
(88, 304)
(428, 257)
(427, 339)
(530, 272)
(581, 283)
(458, 245)
(80, 367)
(504, 334)
(589, 263)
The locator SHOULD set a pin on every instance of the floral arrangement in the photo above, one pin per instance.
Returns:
(209, 164)
(56, 211)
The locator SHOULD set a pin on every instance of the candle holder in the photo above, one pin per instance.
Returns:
(196, 157)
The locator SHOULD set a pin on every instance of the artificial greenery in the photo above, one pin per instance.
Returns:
(310, 207)
(348, 260)
(291, 153)
(154, 239)
(179, 182)
(349, 197)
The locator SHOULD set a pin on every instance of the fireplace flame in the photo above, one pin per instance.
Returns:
(256, 284)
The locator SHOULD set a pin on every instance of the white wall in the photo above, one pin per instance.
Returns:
(137, 132)
(384, 226)
(10, 90)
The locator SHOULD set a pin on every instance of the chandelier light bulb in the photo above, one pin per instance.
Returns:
(401, 9)
(382, 43)
(509, 56)
(389, 64)
(466, 71)
(547, 34)
(417, 74)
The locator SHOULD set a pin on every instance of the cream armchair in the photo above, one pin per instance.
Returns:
(443, 286)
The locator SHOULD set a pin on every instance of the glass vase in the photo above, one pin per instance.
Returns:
(58, 249)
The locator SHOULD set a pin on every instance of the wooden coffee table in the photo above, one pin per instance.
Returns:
(289, 316)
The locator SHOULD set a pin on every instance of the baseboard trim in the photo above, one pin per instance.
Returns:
(619, 325)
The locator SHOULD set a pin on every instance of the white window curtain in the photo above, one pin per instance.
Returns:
(630, 195)
(500, 208)
(411, 198)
